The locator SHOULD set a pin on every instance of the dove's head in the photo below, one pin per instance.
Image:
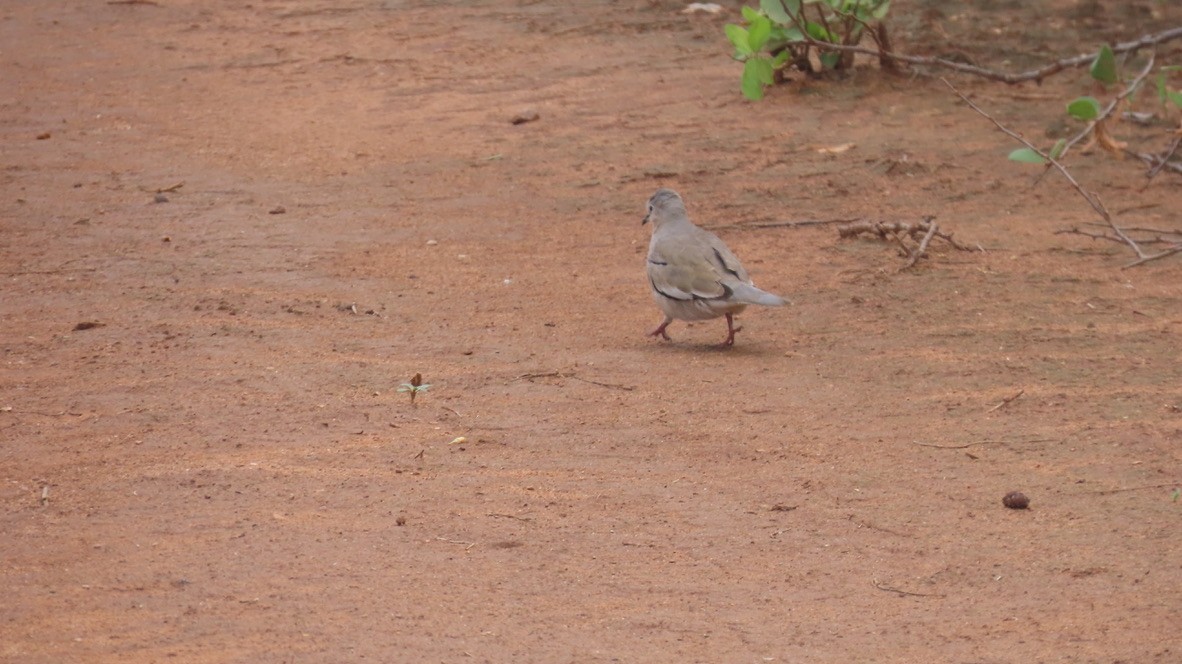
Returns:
(663, 205)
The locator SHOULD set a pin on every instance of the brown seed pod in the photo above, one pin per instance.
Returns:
(1016, 500)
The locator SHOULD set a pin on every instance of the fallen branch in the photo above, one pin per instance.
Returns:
(1090, 197)
(1036, 75)
(896, 231)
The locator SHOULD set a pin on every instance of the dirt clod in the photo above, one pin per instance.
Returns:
(1015, 500)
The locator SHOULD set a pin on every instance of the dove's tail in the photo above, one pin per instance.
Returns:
(752, 295)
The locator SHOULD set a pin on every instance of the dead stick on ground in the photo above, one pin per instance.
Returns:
(1006, 401)
(981, 442)
(559, 374)
(1135, 488)
(959, 447)
(1165, 159)
(901, 592)
(1090, 197)
(1032, 75)
(789, 224)
(502, 515)
(467, 545)
(45, 495)
(923, 244)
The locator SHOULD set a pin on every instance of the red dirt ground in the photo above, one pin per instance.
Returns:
(228, 471)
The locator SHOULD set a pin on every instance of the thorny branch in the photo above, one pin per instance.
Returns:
(1089, 196)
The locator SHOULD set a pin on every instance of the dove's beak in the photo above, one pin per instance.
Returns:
(645, 220)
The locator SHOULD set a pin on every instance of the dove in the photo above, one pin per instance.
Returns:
(692, 273)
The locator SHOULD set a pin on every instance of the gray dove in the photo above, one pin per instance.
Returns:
(692, 274)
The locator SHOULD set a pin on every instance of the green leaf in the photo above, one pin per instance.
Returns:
(749, 14)
(880, 11)
(1084, 108)
(1027, 156)
(1060, 145)
(758, 33)
(1104, 66)
(775, 10)
(818, 32)
(738, 37)
(792, 34)
(764, 70)
(781, 58)
(830, 60)
(754, 77)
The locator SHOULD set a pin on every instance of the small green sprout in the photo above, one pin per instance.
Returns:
(415, 386)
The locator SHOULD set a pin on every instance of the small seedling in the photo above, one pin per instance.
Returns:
(415, 386)
(784, 34)
(1176, 494)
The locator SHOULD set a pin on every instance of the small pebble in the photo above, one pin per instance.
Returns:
(432, 243)
(528, 115)
(160, 198)
(1016, 500)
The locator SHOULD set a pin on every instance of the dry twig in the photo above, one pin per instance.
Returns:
(509, 516)
(1007, 400)
(559, 374)
(896, 231)
(1036, 75)
(467, 545)
(1161, 162)
(901, 593)
(1089, 196)
(923, 244)
(1104, 492)
(980, 442)
(788, 224)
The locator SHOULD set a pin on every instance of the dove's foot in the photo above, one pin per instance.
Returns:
(730, 332)
(660, 331)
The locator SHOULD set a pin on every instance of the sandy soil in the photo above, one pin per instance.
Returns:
(221, 469)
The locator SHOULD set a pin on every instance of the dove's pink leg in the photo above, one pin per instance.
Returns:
(730, 331)
(660, 331)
